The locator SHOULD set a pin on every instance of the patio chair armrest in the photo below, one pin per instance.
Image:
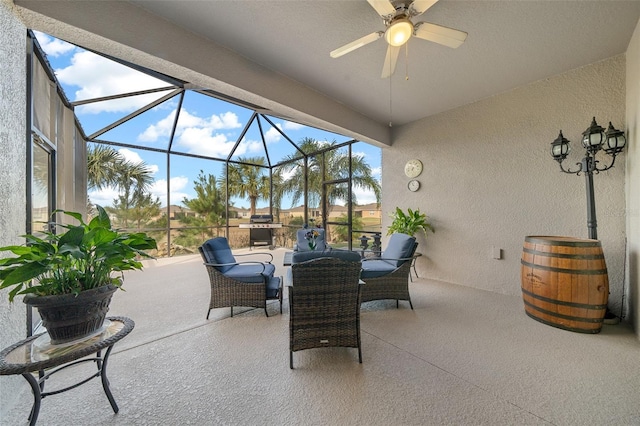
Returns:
(217, 265)
(395, 262)
(260, 253)
(403, 259)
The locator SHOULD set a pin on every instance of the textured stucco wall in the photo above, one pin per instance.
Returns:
(489, 179)
(633, 178)
(12, 174)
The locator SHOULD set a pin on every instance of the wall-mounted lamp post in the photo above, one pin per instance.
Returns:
(594, 139)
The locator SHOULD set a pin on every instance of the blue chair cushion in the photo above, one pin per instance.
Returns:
(302, 243)
(303, 256)
(207, 253)
(399, 246)
(376, 268)
(251, 273)
(273, 287)
(220, 252)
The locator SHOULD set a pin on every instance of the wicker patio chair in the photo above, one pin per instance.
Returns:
(234, 283)
(387, 277)
(324, 303)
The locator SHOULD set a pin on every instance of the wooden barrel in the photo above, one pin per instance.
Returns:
(565, 282)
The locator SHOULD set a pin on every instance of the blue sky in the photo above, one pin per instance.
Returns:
(206, 126)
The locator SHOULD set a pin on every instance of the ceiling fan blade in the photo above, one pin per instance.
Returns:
(383, 7)
(390, 61)
(439, 34)
(418, 7)
(350, 47)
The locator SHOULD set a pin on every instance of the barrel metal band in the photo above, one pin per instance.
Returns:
(564, 255)
(567, 317)
(565, 243)
(564, 270)
(589, 329)
(562, 302)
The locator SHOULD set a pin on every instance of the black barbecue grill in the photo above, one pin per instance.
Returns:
(261, 236)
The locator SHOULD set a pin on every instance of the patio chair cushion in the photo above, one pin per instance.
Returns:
(303, 245)
(273, 287)
(375, 268)
(251, 273)
(217, 250)
(399, 246)
(207, 253)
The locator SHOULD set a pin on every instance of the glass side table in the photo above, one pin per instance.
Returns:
(37, 354)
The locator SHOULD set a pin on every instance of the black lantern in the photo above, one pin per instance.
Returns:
(615, 140)
(560, 148)
(593, 137)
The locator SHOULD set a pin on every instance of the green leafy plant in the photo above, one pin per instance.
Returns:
(82, 258)
(409, 223)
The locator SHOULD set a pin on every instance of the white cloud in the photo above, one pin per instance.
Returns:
(201, 141)
(97, 76)
(198, 135)
(177, 186)
(103, 197)
(248, 147)
(364, 197)
(158, 130)
(272, 135)
(129, 155)
(162, 128)
(135, 158)
(227, 120)
(52, 46)
(289, 125)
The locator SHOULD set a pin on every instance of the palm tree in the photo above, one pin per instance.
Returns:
(102, 161)
(133, 181)
(107, 167)
(247, 180)
(336, 166)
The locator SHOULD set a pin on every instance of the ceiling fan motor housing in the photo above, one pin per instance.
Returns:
(399, 30)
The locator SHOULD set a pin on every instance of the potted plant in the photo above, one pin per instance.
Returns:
(409, 223)
(68, 276)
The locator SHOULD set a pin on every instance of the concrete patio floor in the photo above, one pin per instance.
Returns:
(461, 357)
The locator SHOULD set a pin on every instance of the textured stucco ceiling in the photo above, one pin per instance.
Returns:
(278, 51)
(510, 43)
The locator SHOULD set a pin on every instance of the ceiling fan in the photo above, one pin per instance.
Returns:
(397, 15)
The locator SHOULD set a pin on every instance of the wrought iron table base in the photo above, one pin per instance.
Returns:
(37, 386)
(27, 357)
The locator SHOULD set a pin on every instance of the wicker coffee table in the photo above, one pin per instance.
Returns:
(36, 353)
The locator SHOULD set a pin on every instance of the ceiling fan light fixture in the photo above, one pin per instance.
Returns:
(399, 32)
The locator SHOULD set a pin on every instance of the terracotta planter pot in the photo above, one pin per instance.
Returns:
(68, 317)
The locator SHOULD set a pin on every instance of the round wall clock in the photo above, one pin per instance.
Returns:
(413, 168)
(413, 185)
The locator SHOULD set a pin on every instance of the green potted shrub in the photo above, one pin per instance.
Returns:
(70, 276)
(409, 223)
